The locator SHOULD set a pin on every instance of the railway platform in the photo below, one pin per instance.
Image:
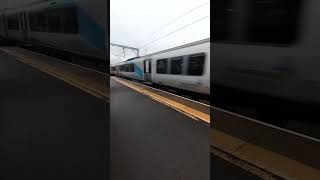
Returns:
(54, 116)
(154, 140)
(157, 141)
(50, 129)
(240, 147)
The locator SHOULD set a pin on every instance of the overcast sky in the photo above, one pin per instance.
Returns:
(137, 23)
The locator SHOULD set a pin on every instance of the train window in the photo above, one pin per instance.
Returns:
(256, 21)
(162, 66)
(38, 21)
(176, 65)
(70, 20)
(13, 22)
(222, 13)
(274, 21)
(54, 22)
(131, 67)
(63, 20)
(196, 64)
(127, 68)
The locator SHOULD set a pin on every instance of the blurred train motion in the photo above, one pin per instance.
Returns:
(73, 26)
(268, 47)
(185, 67)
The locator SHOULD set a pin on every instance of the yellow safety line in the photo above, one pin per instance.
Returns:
(57, 75)
(243, 165)
(260, 157)
(195, 114)
(272, 162)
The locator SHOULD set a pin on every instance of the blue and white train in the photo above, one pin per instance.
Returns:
(74, 26)
(185, 67)
(268, 47)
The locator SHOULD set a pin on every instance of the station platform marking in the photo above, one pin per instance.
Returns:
(264, 163)
(252, 158)
(70, 73)
(271, 163)
(189, 111)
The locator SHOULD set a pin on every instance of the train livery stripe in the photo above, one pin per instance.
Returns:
(91, 30)
(138, 71)
(166, 99)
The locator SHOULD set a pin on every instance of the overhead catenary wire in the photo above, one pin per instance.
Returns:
(172, 32)
(168, 24)
(176, 19)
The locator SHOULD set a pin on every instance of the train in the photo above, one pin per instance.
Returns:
(185, 67)
(268, 47)
(77, 27)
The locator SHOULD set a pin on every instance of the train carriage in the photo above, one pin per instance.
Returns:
(185, 67)
(274, 47)
(74, 26)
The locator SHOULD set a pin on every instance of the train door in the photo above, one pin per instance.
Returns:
(147, 70)
(5, 29)
(1, 26)
(24, 27)
(117, 70)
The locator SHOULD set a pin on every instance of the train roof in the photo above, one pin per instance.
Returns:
(133, 58)
(180, 47)
(167, 50)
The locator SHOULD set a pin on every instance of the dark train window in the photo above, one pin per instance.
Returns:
(121, 68)
(126, 68)
(13, 22)
(256, 21)
(176, 65)
(274, 21)
(131, 67)
(221, 13)
(63, 20)
(162, 65)
(196, 64)
(54, 22)
(70, 20)
(38, 22)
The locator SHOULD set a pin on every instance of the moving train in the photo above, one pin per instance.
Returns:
(268, 47)
(74, 26)
(186, 67)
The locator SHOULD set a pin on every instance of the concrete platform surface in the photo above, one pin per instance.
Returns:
(49, 129)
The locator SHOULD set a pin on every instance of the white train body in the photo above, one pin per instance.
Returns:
(185, 67)
(269, 48)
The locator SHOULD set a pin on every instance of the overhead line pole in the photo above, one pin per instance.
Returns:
(135, 50)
